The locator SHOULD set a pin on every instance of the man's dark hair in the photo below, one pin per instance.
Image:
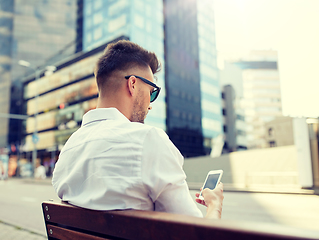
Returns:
(123, 55)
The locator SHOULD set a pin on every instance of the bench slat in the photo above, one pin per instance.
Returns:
(66, 234)
(136, 224)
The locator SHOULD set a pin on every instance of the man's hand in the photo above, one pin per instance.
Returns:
(213, 200)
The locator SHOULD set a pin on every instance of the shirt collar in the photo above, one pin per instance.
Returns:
(101, 114)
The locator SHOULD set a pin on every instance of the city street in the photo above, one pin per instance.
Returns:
(20, 205)
(295, 210)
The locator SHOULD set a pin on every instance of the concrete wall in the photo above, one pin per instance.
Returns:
(271, 167)
(281, 133)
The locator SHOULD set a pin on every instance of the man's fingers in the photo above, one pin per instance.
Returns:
(200, 201)
(221, 186)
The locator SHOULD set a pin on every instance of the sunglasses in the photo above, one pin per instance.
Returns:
(154, 93)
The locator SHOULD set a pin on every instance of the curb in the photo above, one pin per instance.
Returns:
(260, 189)
(46, 181)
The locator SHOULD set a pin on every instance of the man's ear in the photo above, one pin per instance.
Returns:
(131, 83)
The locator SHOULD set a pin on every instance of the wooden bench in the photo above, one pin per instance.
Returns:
(64, 221)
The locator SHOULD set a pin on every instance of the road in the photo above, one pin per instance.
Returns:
(20, 205)
(295, 210)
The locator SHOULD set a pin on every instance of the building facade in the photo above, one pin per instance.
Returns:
(209, 73)
(234, 128)
(34, 31)
(234, 122)
(6, 36)
(261, 94)
(279, 132)
(192, 83)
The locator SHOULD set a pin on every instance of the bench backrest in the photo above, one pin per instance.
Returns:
(64, 221)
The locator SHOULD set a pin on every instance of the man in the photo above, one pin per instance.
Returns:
(114, 161)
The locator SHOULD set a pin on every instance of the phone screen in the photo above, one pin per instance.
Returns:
(212, 181)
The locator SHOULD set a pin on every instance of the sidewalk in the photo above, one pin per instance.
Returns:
(10, 232)
(13, 231)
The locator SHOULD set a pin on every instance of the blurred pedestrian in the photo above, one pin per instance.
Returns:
(52, 165)
(46, 164)
(40, 172)
(4, 162)
(2, 171)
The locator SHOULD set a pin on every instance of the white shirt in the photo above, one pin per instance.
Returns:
(111, 163)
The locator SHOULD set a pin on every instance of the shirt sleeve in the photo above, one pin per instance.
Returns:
(163, 175)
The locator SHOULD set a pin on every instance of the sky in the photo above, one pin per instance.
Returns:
(289, 26)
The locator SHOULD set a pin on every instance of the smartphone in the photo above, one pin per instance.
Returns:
(212, 179)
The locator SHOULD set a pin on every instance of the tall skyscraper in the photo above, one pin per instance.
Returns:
(261, 94)
(6, 26)
(190, 111)
(32, 31)
(193, 92)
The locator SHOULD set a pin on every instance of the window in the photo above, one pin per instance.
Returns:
(97, 33)
(117, 23)
(271, 132)
(88, 9)
(97, 18)
(117, 7)
(240, 117)
(139, 21)
(149, 27)
(88, 22)
(97, 4)
(241, 133)
(88, 38)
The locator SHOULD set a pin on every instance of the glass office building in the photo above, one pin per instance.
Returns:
(142, 22)
(182, 77)
(41, 30)
(34, 31)
(6, 25)
(193, 93)
(209, 75)
(261, 94)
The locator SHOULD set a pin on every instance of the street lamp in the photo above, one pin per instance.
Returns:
(35, 137)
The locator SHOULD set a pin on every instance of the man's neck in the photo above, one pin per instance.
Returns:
(119, 105)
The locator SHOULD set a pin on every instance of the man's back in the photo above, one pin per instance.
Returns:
(112, 163)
